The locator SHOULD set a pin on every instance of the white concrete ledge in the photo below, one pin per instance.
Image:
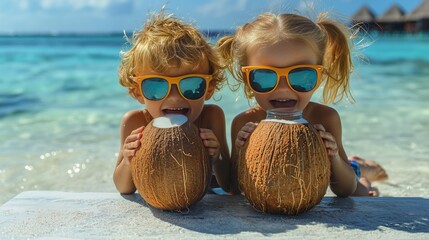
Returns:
(56, 215)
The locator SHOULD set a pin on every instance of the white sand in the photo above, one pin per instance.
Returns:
(54, 215)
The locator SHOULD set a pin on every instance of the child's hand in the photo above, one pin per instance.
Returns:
(132, 144)
(244, 133)
(210, 142)
(330, 142)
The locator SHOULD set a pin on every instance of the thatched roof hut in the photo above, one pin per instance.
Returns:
(392, 20)
(418, 19)
(365, 18)
(394, 14)
(421, 12)
(364, 15)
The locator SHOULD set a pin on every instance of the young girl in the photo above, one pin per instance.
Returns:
(282, 59)
(172, 70)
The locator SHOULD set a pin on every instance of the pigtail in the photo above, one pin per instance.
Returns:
(227, 48)
(337, 61)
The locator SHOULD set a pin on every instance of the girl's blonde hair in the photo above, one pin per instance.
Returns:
(328, 39)
(166, 42)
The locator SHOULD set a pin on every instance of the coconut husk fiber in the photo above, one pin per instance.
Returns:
(171, 170)
(284, 168)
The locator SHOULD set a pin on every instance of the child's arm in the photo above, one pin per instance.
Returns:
(343, 179)
(214, 138)
(131, 133)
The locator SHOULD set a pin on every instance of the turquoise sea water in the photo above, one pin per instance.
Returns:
(61, 105)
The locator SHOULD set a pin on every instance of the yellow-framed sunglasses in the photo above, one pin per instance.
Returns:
(157, 87)
(300, 78)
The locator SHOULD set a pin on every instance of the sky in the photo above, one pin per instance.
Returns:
(107, 16)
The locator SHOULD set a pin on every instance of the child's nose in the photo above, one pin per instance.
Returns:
(174, 92)
(283, 86)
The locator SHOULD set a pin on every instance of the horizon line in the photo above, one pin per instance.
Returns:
(86, 33)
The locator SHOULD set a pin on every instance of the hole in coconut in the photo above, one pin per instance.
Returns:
(284, 115)
(297, 121)
(169, 121)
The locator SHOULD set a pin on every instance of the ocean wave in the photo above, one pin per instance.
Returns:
(17, 103)
(399, 61)
(100, 56)
(73, 86)
(400, 67)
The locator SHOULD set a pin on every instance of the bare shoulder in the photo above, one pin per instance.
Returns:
(210, 113)
(316, 113)
(135, 117)
(319, 113)
(250, 115)
(254, 115)
(211, 117)
(212, 110)
(133, 120)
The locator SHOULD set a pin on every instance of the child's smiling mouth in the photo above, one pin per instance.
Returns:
(178, 110)
(283, 103)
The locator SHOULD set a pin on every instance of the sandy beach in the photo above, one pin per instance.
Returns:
(112, 216)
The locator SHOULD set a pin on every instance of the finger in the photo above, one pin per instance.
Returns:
(319, 127)
(327, 136)
(134, 137)
(239, 142)
(249, 127)
(243, 135)
(205, 130)
(212, 151)
(137, 130)
(211, 143)
(208, 135)
(132, 145)
(331, 146)
(331, 152)
(251, 124)
(128, 153)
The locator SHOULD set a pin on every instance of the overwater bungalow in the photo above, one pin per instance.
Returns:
(393, 20)
(418, 19)
(365, 18)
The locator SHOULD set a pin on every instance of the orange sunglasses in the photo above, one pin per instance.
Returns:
(157, 87)
(300, 78)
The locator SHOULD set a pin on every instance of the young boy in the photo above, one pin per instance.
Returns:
(165, 51)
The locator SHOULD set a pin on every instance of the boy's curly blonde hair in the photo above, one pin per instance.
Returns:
(166, 42)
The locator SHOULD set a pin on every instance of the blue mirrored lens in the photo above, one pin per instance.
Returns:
(193, 87)
(262, 80)
(303, 79)
(154, 88)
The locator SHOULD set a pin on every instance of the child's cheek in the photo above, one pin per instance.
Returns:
(154, 108)
(196, 109)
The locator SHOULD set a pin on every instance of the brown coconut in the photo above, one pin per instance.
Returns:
(171, 170)
(284, 168)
